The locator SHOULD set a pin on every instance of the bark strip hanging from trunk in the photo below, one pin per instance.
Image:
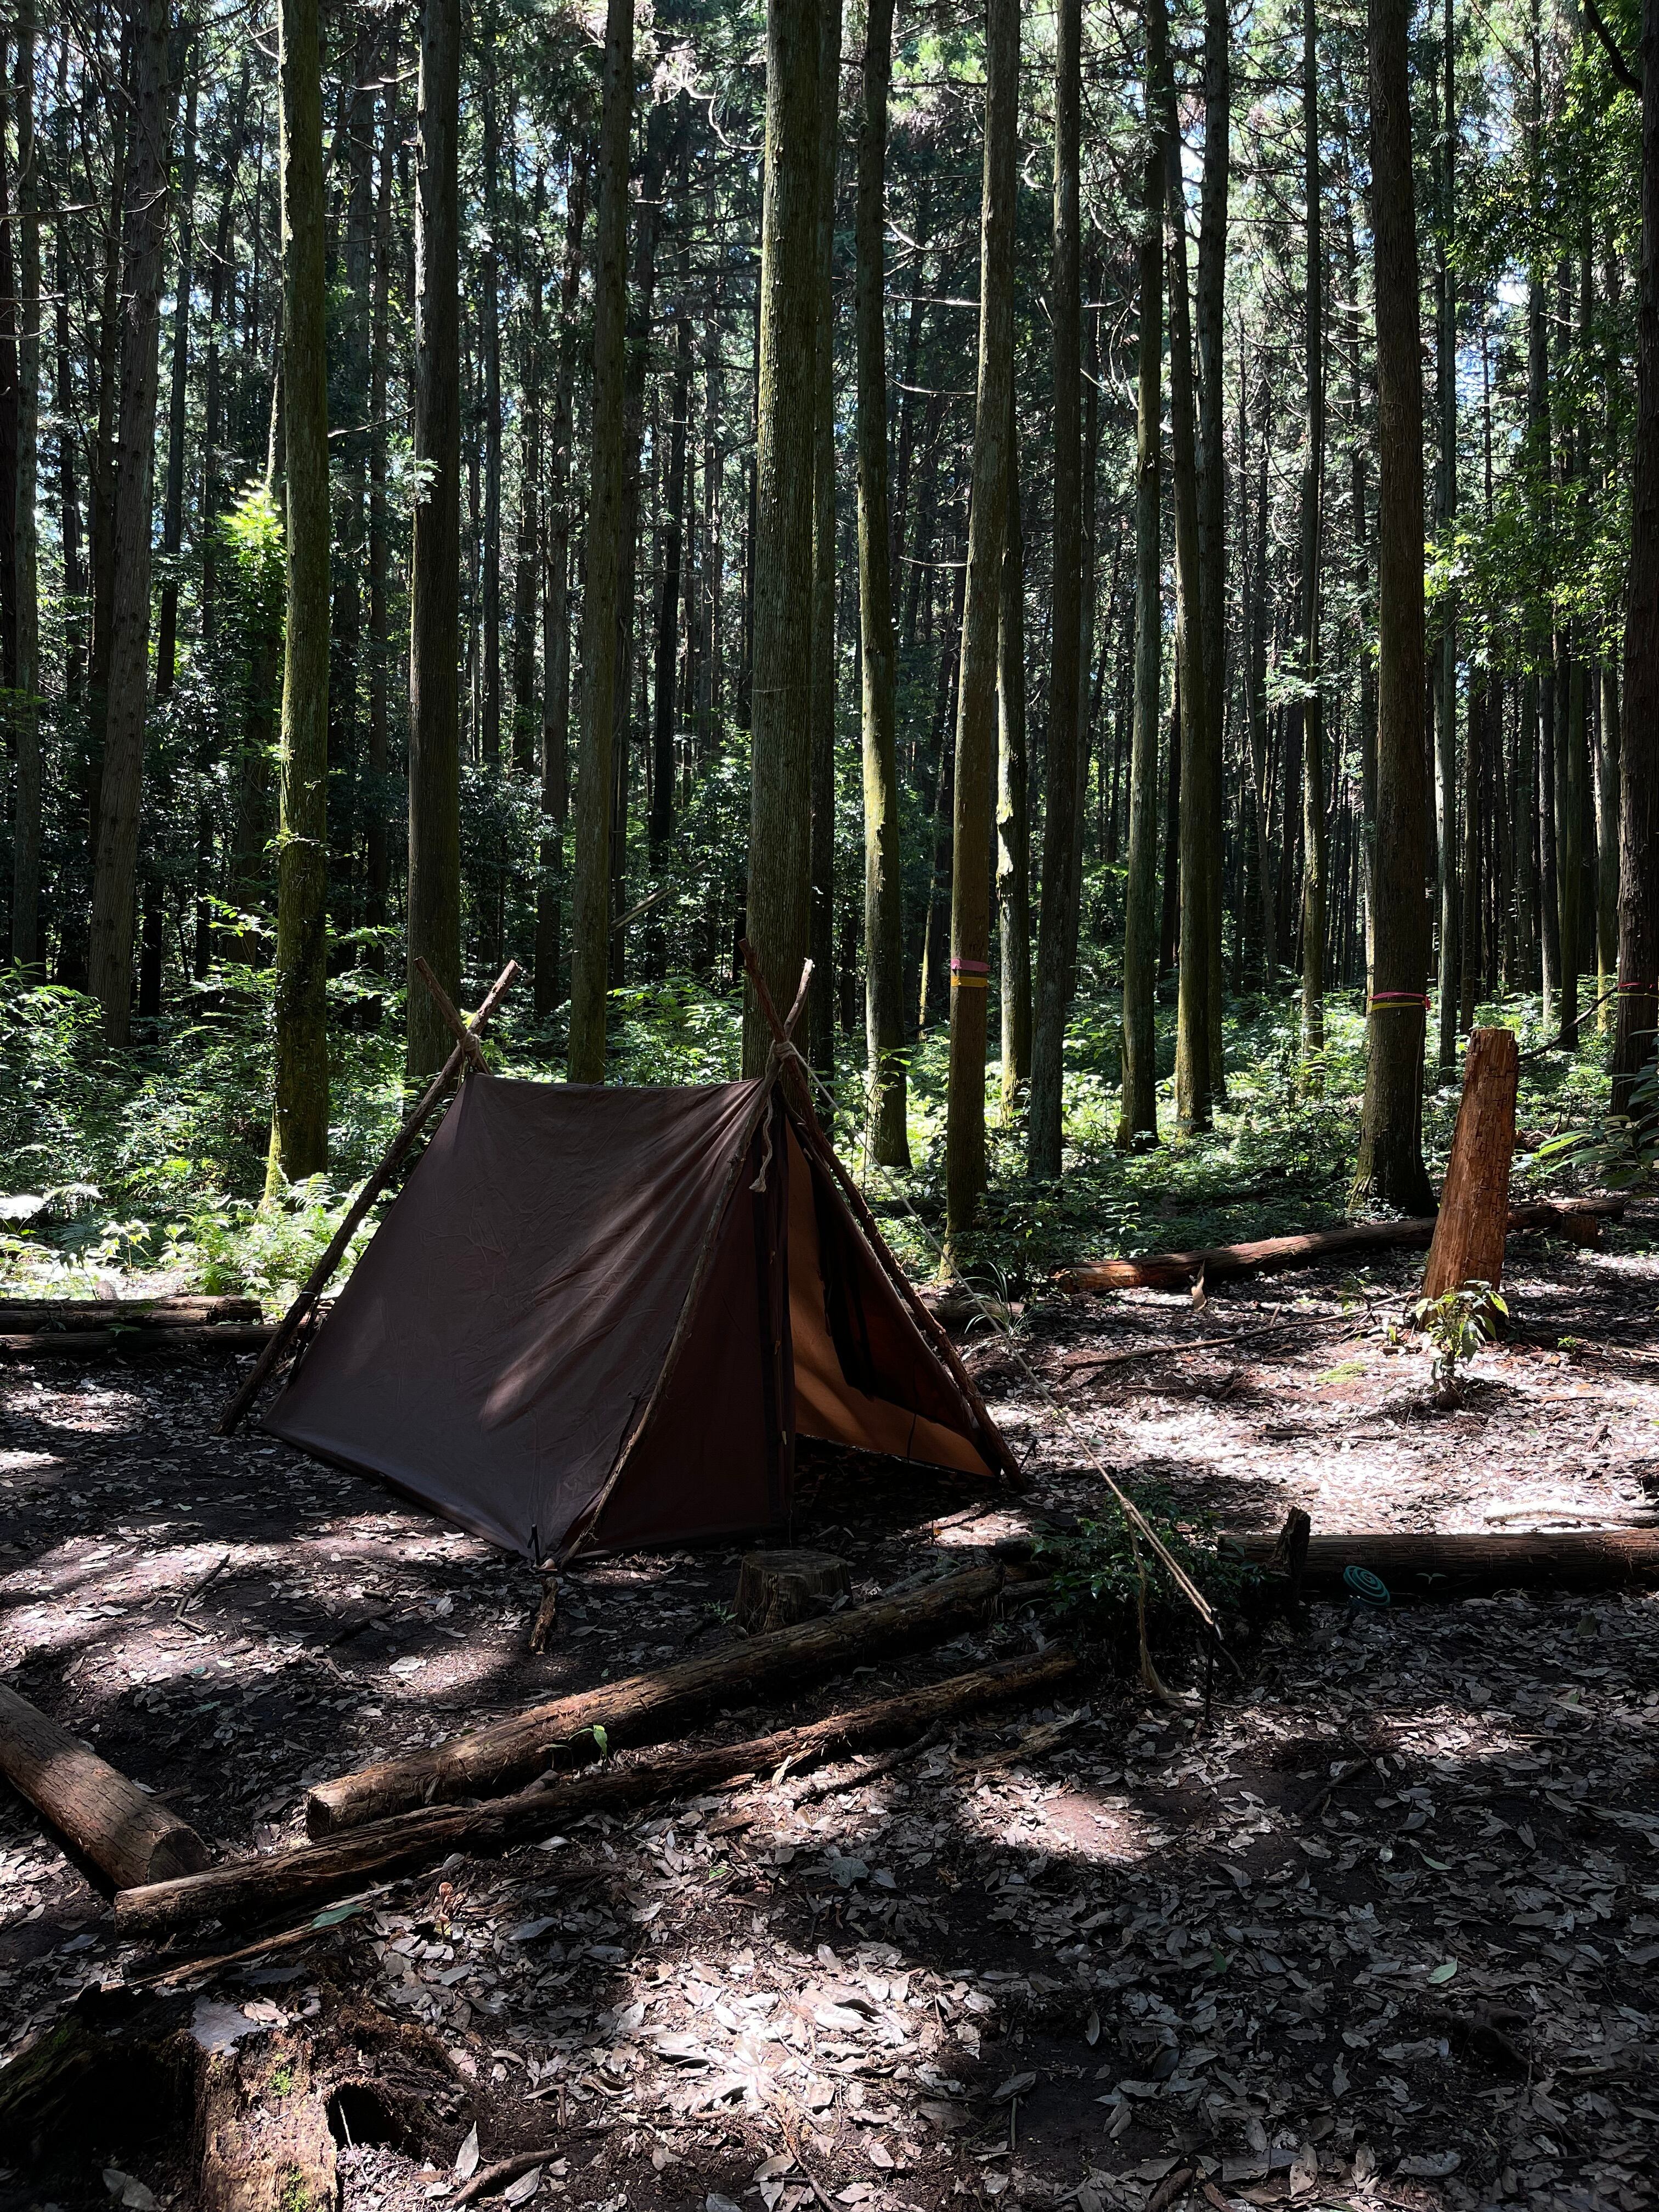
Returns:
(643, 1708)
(131, 1838)
(1454, 1564)
(285, 1880)
(1580, 1218)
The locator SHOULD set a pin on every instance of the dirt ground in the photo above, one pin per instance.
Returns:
(1383, 1933)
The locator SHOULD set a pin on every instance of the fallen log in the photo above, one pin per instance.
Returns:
(18, 1316)
(1579, 1218)
(152, 1342)
(131, 1838)
(283, 1882)
(1456, 1564)
(644, 1708)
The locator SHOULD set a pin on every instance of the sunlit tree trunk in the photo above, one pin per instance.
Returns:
(1137, 1114)
(1014, 832)
(780, 786)
(1390, 1163)
(820, 1005)
(1446, 716)
(1209, 308)
(976, 697)
(884, 921)
(144, 212)
(556, 617)
(674, 504)
(489, 337)
(298, 1120)
(589, 926)
(434, 847)
(173, 498)
(1308, 585)
(1061, 828)
(25, 845)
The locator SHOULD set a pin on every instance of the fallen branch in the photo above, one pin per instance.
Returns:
(642, 1708)
(127, 1835)
(18, 1316)
(1459, 1564)
(282, 1881)
(1297, 1321)
(100, 1343)
(1580, 1218)
(187, 1598)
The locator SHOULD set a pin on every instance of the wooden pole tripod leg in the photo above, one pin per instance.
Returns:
(317, 1281)
(458, 1028)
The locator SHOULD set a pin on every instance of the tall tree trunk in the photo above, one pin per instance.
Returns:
(434, 840)
(673, 535)
(1199, 855)
(1210, 309)
(353, 371)
(528, 553)
(590, 949)
(1468, 958)
(1607, 848)
(173, 505)
(1446, 718)
(299, 1120)
(1061, 828)
(25, 845)
(1638, 803)
(1390, 1163)
(884, 919)
(1308, 584)
(222, 312)
(820, 1004)
(781, 787)
(1014, 832)
(121, 784)
(490, 319)
(9, 402)
(378, 857)
(976, 697)
(555, 620)
(1138, 1116)
(101, 503)
(1254, 560)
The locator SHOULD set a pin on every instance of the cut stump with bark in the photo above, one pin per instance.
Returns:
(776, 1589)
(1473, 1224)
(129, 1835)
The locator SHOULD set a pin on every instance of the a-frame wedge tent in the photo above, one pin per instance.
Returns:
(601, 1318)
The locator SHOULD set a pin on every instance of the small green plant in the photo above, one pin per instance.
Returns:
(1094, 1573)
(280, 2078)
(1457, 1324)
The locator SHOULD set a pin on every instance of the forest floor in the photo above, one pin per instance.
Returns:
(1102, 1954)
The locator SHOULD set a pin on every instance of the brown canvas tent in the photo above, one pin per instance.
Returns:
(601, 1318)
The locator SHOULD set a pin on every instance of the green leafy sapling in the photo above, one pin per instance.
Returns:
(1457, 1324)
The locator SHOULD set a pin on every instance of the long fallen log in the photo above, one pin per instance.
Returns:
(153, 1343)
(644, 1708)
(131, 1838)
(18, 1316)
(314, 1872)
(1579, 1218)
(1453, 1563)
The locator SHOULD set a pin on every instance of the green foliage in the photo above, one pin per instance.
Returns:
(1095, 1578)
(1618, 1150)
(1457, 1324)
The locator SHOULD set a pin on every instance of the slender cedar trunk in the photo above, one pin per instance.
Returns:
(591, 914)
(1088, 484)
(299, 1120)
(1359, 416)
(779, 906)
(1169, 926)
(490, 318)
(976, 696)
(1308, 583)
(121, 784)
(630, 660)
(710, 683)
(222, 311)
(1446, 715)
(674, 500)
(1255, 676)
(26, 845)
(69, 500)
(1638, 805)
(1138, 1116)
(527, 554)
(1061, 829)
(907, 415)
(10, 403)
(1475, 746)
(101, 486)
(1198, 840)
(378, 857)
(884, 919)
(820, 1003)
(353, 373)
(1606, 765)
(1390, 1163)
(1210, 309)
(1576, 827)
(555, 620)
(939, 841)
(173, 505)
(1013, 833)
(435, 846)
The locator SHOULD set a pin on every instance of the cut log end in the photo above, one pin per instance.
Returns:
(129, 1835)
(777, 1589)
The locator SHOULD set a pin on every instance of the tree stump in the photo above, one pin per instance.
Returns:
(777, 1589)
(1474, 1200)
